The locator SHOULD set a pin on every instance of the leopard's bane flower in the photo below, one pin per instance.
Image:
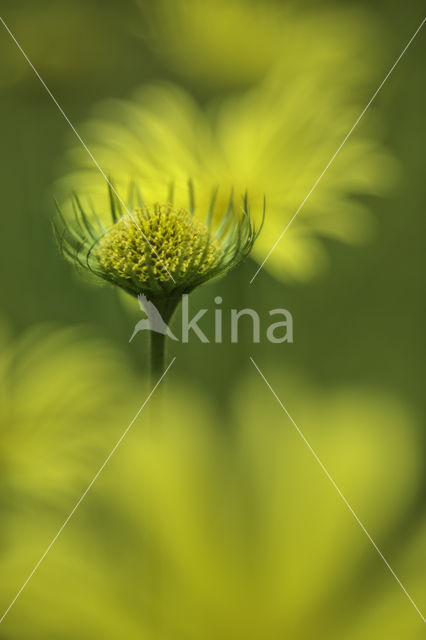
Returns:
(151, 246)
(160, 251)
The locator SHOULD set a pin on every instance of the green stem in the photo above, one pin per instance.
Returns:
(158, 356)
(166, 307)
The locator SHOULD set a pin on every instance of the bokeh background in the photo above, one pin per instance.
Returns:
(221, 523)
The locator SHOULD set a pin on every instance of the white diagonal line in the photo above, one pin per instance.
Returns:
(86, 491)
(95, 162)
(339, 491)
(333, 157)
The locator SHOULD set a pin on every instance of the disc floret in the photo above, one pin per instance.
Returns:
(160, 246)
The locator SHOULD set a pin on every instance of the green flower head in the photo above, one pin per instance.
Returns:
(157, 250)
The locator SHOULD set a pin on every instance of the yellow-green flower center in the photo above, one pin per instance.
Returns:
(160, 242)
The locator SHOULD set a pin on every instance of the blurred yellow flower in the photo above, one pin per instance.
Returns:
(194, 533)
(272, 141)
(224, 43)
(59, 402)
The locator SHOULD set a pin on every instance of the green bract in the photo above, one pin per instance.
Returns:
(158, 250)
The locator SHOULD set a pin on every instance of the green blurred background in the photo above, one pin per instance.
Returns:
(358, 340)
